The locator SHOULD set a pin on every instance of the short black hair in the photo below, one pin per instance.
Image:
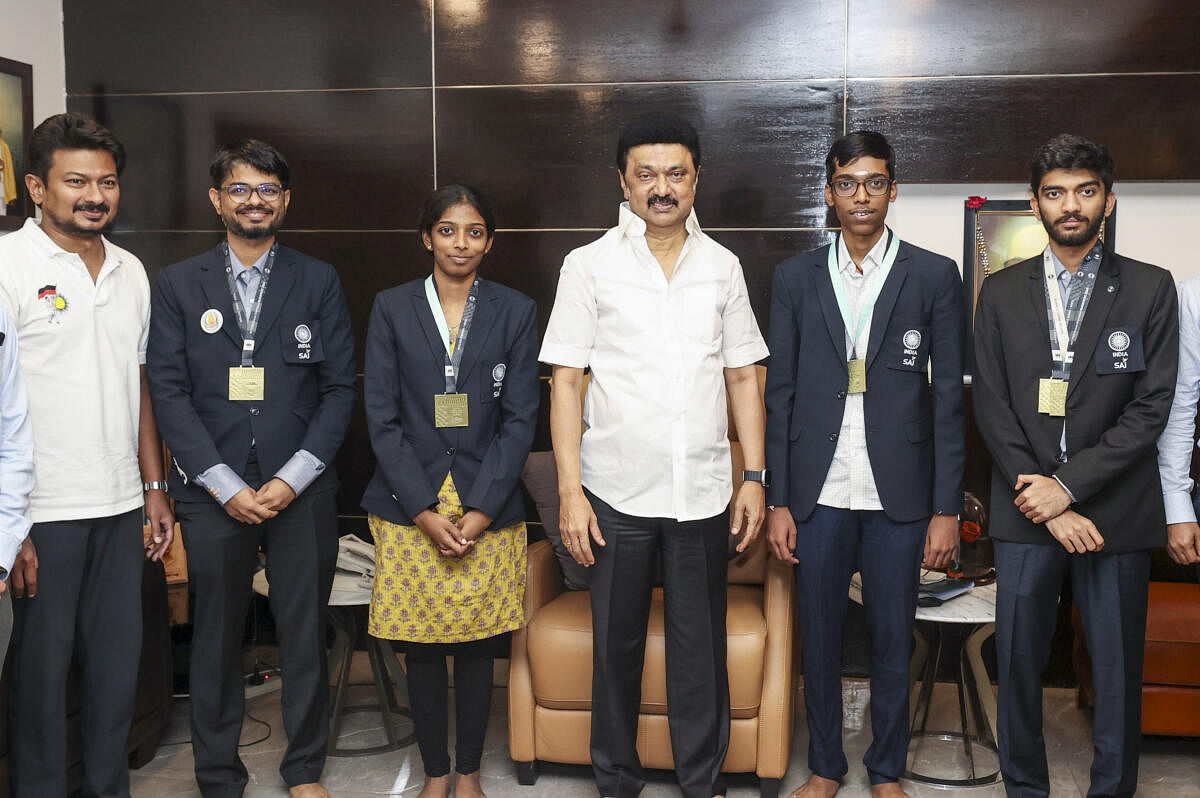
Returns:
(446, 196)
(70, 131)
(658, 127)
(1068, 151)
(251, 152)
(858, 144)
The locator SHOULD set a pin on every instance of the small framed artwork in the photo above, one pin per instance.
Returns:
(1000, 233)
(16, 128)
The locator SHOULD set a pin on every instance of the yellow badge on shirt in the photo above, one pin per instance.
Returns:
(1052, 397)
(858, 375)
(246, 383)
(450, 410)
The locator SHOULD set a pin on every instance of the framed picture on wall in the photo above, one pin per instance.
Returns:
(16, 128)
(1000, 233)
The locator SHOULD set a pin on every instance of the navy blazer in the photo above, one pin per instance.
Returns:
(405, 361)
(309, 392)
(914, 427)
(1118, 398)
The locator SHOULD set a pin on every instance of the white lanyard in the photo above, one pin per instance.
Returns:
(855, 322)
(1064, 354)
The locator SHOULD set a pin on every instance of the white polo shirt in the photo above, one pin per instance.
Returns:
(81, 347)
(655, 441)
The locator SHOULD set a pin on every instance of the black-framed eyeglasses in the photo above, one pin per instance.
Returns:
(241, 192)
(847, 186)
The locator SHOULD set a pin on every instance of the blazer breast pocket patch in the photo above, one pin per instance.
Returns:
(301, 343)
(906, 347)
(1119, 351)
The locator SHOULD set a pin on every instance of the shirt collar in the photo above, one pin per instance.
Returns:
(633, 226)
(50, 249)
(873, 260)
(1089, 265)
(256, 266)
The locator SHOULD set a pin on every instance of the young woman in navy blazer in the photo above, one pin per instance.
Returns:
(451, 393)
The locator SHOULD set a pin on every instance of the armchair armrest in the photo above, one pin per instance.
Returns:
(543, 582)
(775, 711)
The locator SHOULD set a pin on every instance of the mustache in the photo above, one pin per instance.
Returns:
(654, 198)
(100, 207)
(1072, 217)
(254, 209)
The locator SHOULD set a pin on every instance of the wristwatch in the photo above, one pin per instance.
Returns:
(158, 485)
(763, 477)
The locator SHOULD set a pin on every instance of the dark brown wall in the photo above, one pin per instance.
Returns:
(374, 102)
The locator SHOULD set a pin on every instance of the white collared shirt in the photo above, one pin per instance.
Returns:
(1177, 444)
(655, 439)
(82, 344)
(850, 482)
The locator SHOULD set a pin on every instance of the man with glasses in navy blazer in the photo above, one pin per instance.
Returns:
(251, 366)
(867, 450)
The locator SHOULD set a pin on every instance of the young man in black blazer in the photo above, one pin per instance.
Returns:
(866, 448)
(1072, 429)
(251, 365)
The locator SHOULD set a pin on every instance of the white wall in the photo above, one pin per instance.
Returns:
(1154, 220)
(31, 31)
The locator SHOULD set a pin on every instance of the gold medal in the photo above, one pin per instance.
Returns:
(1052, 397)
(858, 375)
(450, 410)
(246, 383)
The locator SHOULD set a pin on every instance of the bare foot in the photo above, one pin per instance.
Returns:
(436, 787)
(887, 790)
(468, 786)
(817, 787)
(310, 790)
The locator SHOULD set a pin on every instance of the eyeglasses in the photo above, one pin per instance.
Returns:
(241, 192)
(848, 187)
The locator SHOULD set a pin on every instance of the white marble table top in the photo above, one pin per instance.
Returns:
(977, 605)
(349, 590)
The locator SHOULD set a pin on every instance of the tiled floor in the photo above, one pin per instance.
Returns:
(1170, 768)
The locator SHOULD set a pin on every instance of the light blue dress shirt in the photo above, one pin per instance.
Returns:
(1175, 444)
(221, 481)
(16, 450)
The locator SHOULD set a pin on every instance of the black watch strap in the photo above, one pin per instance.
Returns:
(763, 477)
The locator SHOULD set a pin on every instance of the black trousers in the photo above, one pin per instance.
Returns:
(301, 544)
(428, 690)
(88, 604)
(827, 545)
(1110, 591)
(694, 565)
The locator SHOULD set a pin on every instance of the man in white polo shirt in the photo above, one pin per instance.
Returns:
(659, 312)
(81, 307)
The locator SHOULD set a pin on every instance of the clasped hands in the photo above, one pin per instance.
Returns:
(453, 539)
(1044, 500)
(252, 506)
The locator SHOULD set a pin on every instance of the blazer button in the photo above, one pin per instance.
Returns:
(254, 411)
(841, 394)
(450, 450)
(833, 436)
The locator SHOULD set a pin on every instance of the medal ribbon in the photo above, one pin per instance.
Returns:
(435, 307)
(248, 322)
(854, 324)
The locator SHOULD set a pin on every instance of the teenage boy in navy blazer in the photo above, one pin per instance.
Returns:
(866, 448)
(1075, 483)
(251, 364)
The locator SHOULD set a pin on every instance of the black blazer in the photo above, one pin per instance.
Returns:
(499, 373)
(1117, 400)
(308, 395)
(914, 428)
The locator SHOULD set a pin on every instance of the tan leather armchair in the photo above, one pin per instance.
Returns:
(550, 676)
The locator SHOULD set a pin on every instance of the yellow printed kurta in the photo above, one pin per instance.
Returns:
(423, 597)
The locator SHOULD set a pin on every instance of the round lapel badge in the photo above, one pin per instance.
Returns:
(498, 372)
(912, 339)
(303, 334)
(211, 320)
(1118, 341)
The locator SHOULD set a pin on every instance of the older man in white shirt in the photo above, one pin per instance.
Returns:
(16, 472)
(659, 312)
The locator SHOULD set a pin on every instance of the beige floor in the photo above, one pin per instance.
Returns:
(1170, 768)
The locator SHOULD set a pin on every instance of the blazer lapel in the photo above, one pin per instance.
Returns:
(424, 317)
(1037, 298)
(1104, 293)
(829, 305)
(279, 285)
(481, 327)
(882, 313)
(216, 291)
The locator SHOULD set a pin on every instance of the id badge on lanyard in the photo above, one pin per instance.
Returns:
(451, 409)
